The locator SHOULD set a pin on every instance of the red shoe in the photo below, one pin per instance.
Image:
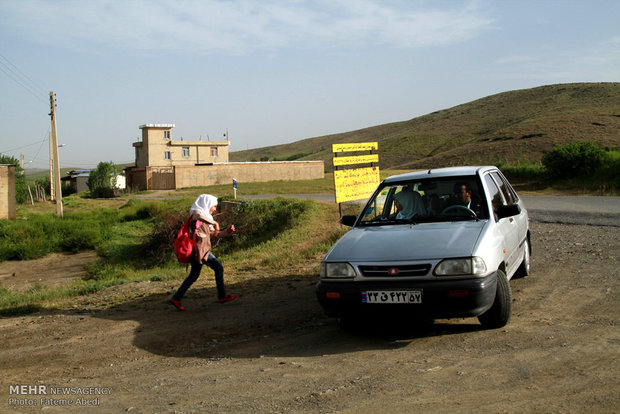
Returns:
(177, 304)
(227, 298)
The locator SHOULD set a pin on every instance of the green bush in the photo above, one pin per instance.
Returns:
(255, 222)
(573, 160)
(100, 181)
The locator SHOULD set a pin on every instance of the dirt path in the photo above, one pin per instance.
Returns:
(274, 351)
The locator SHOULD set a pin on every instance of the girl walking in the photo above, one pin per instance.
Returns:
(205, 227)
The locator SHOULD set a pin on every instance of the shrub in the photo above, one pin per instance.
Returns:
(255, 221)
(100, 181)
(573, 160)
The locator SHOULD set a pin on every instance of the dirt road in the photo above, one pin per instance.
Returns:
(274, 351)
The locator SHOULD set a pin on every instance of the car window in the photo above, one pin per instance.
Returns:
(509, 188)
(504, 188)
(433, 199)
(494, 194)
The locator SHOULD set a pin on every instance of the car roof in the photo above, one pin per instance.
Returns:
(440, 172)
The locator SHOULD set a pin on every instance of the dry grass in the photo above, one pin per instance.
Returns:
(508, 127)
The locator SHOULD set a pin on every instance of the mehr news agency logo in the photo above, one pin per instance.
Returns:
(24, 395)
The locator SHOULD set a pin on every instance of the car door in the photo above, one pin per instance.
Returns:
(512, 198)
(507, 227)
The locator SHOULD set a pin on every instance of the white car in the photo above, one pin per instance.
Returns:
(437, 243)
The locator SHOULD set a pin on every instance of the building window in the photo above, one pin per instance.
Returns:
(186, 152)
(166, 155)
(214, 151)
(166, 134)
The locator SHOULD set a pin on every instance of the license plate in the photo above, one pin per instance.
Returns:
(392, 296)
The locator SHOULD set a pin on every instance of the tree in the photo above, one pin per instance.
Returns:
(21, 187)
(101, 180)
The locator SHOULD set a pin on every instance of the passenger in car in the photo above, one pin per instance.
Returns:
(409, 204)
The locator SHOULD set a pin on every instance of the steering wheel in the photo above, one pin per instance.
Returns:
(458, 210)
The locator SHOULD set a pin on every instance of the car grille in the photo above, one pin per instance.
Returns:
(395, 270)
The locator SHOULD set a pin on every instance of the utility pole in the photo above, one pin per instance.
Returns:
(56, 161)
(52, 179)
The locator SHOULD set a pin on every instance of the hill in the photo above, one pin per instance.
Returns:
(507, 127)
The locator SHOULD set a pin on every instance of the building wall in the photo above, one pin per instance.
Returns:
(203, 175)
(7, 192)
(191, 176)
(199, 152)
(157, 141)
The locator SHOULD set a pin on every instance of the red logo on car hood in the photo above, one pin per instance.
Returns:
(393, 271)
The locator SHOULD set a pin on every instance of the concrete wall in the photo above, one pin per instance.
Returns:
(247, 172)
(7, 192)
(203, 175)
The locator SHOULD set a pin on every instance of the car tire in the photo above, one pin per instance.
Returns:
(499, 313)
(526, 264)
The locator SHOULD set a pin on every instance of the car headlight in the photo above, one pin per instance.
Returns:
(463, 266)
(337, 270)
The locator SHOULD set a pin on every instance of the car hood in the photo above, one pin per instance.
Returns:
(407, 242)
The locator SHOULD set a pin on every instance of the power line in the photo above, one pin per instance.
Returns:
(21, 78)
(23, 75)
(25, 146)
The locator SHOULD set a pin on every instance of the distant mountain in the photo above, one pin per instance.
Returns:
(508, 127)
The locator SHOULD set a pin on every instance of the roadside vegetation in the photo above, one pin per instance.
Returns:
(580, 167)
(133, 239)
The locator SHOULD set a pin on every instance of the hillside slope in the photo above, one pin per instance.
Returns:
(507, 127)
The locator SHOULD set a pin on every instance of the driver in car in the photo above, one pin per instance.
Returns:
(463, 197)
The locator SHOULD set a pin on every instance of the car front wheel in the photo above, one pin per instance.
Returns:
(499, 313)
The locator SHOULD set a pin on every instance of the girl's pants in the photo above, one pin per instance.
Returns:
(214, 264)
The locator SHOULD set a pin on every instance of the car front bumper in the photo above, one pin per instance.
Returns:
(440, 298)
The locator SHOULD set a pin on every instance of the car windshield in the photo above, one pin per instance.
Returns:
(421, 201)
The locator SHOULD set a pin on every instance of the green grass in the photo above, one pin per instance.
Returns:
(276, 236)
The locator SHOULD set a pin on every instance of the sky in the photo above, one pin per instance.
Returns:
(274, 71)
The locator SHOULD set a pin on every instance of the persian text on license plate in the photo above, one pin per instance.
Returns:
(392, 296)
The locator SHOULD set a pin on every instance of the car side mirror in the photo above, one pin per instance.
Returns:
(508, 211)
(348, 220)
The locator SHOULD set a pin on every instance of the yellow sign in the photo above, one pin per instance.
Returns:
(358, 146)
(355, 184)
(360, 159)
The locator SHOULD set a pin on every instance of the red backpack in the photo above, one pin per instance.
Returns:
(184, 243)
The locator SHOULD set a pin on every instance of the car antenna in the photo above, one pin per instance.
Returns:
(429, 171)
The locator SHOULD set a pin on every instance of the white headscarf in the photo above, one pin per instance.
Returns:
(203, 205)
(412, 204)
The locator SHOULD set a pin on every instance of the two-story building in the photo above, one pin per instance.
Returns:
(158, 149)
(163, 163)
